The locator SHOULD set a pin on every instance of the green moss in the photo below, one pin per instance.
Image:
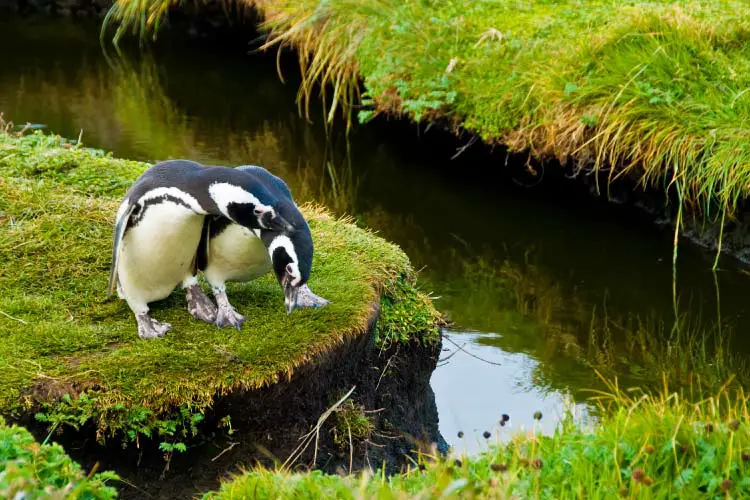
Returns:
(351, 425)
(30, 470)
(658, 446)
(75, 357)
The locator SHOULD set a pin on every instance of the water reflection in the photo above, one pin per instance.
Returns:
(477, 383)
(567, 283)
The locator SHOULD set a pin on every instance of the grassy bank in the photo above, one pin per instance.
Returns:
(648, 446)
(71, 357)
(656, 89)
(32, 470)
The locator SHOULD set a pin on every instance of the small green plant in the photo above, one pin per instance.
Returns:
(351, 424)
(32, 470)
(404, 311)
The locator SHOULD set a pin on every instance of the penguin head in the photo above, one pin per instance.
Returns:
(249, 205)
(258, 216)
(291, 254)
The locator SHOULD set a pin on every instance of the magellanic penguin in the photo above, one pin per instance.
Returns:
(231, 252)
(158, 228)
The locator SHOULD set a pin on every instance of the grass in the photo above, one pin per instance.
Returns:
(71, 357)
(32, 470)
(656, 89)
(648, 445)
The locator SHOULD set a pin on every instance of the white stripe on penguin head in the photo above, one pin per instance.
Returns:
(177, 193)
(224, 193)
(284, 242)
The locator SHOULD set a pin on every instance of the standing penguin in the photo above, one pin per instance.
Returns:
(159, 225)
(231, 252)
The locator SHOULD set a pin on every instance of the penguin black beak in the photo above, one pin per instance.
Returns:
(276, 222)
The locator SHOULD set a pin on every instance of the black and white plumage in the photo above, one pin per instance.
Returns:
(159, 226)
(231, 252)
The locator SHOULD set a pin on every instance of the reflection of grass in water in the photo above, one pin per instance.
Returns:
(126, 106)
(566, 332)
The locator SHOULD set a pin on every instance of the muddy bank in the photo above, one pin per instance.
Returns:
(392, 391)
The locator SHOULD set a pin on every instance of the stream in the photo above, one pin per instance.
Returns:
(537, 281)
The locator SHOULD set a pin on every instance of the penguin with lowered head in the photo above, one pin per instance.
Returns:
(231, 252)
(159, 225)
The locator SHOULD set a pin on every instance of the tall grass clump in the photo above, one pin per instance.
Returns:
(654, 90)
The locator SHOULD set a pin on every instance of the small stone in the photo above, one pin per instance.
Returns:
(502, 423)
(726, 485)
(504, 418)
(537, 415)
(460, 434)
(457, 462)
(487, 434)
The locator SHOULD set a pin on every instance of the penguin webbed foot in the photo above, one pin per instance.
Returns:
(149, 328)
(227, 315)
(307, 299)
(199, 305)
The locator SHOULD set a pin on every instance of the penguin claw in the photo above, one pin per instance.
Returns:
(228, 316)
(200, 306)
(149, 328)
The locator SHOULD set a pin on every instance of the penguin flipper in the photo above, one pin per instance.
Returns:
(120, 226)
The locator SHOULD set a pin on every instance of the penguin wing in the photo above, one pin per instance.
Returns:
(121, 224)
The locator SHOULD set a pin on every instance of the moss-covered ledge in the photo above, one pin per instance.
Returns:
(71, 358)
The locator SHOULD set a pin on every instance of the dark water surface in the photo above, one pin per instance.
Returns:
(526, 274)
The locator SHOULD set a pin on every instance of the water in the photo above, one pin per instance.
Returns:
(526, 274)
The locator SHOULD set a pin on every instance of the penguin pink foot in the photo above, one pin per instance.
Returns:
(226, 314)
(199, 305)
(307, 299)
(149, 328)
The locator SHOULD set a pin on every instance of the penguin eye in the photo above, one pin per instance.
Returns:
(258, 211)
(290, 269)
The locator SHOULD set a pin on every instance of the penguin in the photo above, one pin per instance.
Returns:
(230, 252)
(158, 228)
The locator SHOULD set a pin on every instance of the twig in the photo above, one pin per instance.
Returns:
(225, 450)
(382, 374)
(14, 319)
(470, 354)
(307, 438)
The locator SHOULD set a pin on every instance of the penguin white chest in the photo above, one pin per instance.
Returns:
(236, 254)
(158, 251)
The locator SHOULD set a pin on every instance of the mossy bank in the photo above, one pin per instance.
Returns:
(73, 359)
